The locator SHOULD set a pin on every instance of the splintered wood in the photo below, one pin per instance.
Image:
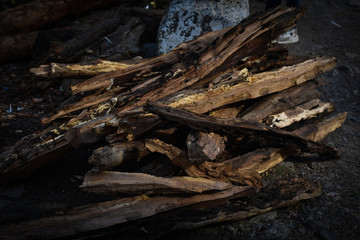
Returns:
(195, 127)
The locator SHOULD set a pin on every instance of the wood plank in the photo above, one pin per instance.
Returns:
(141, 183)
(255, 86)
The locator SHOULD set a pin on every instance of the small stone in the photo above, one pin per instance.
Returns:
(88, 51)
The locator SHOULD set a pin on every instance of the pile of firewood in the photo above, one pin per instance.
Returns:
(198, 125)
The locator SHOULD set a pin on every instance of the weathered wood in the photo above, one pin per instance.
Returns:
(107, 157)
(198, 51)
(282, 101)
(238, 126)
(86, 102)
(299, 113)
(141, 183)
(81, 70)
(210, 170)
(107, 214)
(263, 159)
(227, 112)
(317, 131)
(255, 86)
(205, 146)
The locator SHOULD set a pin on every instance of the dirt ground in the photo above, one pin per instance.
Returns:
(329, 28)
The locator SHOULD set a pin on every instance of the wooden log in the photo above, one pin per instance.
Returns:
(240, 38)
(205, 146)
(218, 171)
(107, 157)
(238, 126)
(38, 14)
(107, 214)
(282, 101)
(80, 70)
(141, 183)
(299, 113)
(318, 131)
(263, 159)
(255, 86)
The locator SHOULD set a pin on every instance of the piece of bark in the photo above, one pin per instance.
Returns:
(80, 70)
(141, 183)
(301, 112)
(282, 101)
(237, 126)
(106, 214)
(255, 86)
(107, 157)
(205, 146)
(38, 14)
(263, 159)
(253, 39)
(218, 171)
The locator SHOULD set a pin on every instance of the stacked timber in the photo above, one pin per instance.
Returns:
(221, 109)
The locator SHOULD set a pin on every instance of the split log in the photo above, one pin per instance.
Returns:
(205, 146)
(255, 86)
(282, 101)
(263, 159)
(238, 126)
(299, 113)
(141, 183)
(107, 214)
(218, 171)
(107, 157)
(81, 70)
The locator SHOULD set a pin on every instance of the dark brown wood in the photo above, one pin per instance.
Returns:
(107, 157)
(141, 183)
(107, 214)
(37, 14)
(254, 86)
(210, 170)
(17, 46)
(205, 146)
(282, 101)
(238, 126)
